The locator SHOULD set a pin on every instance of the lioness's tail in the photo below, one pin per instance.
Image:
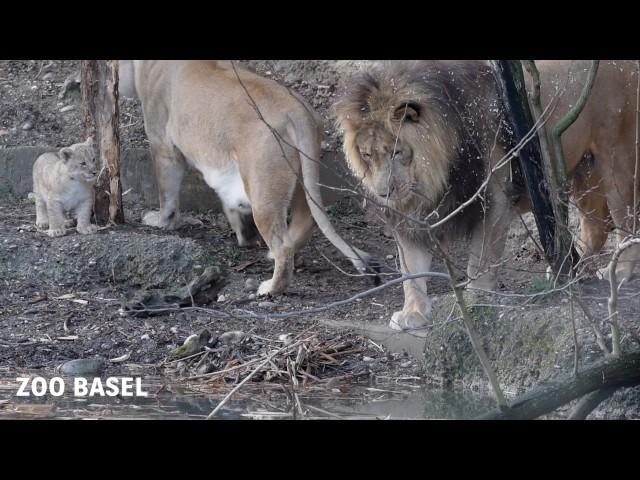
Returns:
(306, 134)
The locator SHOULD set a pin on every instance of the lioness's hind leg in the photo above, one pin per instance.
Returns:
(594, 216)
(488, 241)
(272, 224)
(301, 224)
(620, 202)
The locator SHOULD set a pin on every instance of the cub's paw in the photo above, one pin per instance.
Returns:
(87, 229)
(408, 320)
(56, 232)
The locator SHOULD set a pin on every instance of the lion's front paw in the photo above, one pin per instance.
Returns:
(264, 288)
(408, 320)
(87, 229)
(152, 219)
(56, 232)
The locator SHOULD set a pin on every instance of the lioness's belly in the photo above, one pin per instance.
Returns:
(228, 185)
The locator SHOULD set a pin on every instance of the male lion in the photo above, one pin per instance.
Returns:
(63, 182)
(260, 158)
(424, 135)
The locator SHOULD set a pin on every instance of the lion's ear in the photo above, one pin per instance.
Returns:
(65, 154)
(408, 111)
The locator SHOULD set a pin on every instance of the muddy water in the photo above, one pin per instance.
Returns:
(169, 400)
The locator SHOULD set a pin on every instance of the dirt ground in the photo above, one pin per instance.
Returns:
(61, 299)
(33, 110)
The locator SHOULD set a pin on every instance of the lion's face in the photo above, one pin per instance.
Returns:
(389, 170)
(81, 161)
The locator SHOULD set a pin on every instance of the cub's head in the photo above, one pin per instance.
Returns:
(396, 139)
(80, 159)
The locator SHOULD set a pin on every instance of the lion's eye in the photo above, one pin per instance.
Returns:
(83, 163)
(410, 112)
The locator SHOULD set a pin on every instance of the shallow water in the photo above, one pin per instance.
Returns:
(168, 399)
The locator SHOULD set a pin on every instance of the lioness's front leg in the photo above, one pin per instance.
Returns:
(417, 306)
(83, 214)
(169, 170)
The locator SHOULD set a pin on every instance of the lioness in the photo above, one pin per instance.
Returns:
(260, 158)
(423, 135)
(63, 182)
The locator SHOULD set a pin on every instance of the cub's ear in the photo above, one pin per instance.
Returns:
(90, 140)
(65, 154)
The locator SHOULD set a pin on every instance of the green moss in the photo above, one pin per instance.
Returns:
(539, 285)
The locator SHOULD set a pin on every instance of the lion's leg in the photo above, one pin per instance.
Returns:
(620, 202)
(301, 224)
(271, 221)
(56, 218)
(487, 243)
(169, 169)
(83, 214)
(243, 225)
(594, 216)
(42, 217)
(417, 306)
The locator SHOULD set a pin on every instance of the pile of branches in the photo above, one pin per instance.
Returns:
(230, 358)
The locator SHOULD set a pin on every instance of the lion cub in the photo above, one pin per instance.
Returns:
(63, 182)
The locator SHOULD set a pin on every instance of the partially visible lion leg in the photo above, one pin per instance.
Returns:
(620, 202)
(169, 171)
(594, 216)
(243, 225)
(417, 306)
(487, 243)
(301, 224)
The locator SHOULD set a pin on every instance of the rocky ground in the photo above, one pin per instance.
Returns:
(62, 299)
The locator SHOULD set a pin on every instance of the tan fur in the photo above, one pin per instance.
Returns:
(603, 185)
(368, 115)
(64, 182)
(197, 113)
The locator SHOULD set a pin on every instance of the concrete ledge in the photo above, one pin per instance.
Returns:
(16, 165)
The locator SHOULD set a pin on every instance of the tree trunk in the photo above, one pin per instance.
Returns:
(623, 371)
(99, 86)
(545, 199)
